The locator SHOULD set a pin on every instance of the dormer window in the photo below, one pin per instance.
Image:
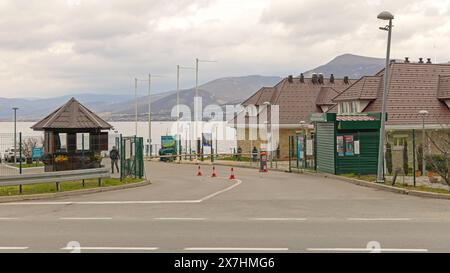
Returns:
(349, 107)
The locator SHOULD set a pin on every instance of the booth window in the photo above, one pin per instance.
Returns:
(83, 141)
(345, 145)
(61, 142)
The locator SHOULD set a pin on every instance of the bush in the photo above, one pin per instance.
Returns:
(389, 157)
(405, 159)
(440, 165)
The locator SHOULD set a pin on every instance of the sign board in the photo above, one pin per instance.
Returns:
(127, 149)
(309, 147)
(207, 139)
(299, 147)
(357, 152)
(349, 145)
(340, 145)
(36, 153)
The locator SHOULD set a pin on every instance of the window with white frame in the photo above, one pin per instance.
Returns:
(349, 107)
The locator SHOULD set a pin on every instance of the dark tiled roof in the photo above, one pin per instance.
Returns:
(365, 88)
(325, 96)
(444, 87)
(296, 99)
(412, 87)
(72, 115)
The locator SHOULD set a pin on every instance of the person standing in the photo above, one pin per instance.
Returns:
(114, 156)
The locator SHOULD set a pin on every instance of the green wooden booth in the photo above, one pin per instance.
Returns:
(346, 144)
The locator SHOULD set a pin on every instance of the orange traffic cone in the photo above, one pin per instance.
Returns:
(232, 177)
(214, 174)
(199, 173)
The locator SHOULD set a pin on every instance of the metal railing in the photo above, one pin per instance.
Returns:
(55, 177)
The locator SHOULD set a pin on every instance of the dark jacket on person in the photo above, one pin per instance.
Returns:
(114, 154)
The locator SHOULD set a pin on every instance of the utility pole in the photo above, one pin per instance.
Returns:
(135, 107)
(149, 114)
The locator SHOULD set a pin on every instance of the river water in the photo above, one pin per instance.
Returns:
(225, 135)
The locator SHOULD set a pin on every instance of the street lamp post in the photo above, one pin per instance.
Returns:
(149, 115)
(15, 133)
(423, 113)
(380, 172)
(135, 107)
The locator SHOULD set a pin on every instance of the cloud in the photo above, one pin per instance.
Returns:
(57, 47)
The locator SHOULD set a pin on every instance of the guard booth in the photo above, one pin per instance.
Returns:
(347, 144)
(74, 138)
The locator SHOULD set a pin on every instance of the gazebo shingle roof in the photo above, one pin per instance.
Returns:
(72, 115)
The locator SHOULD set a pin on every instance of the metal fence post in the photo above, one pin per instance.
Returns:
(121, 155)
(57, 186)
(290, 152)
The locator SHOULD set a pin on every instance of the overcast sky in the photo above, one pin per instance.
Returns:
(56, 47)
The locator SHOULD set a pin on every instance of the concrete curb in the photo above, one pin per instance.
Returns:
(349, 180)
(16, 198)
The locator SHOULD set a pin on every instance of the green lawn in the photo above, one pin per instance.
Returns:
(64, 186)
(372, 178)
(422, 188)
(34, 165)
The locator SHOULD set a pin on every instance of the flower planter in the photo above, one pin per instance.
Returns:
(430, 176)
(418, 173)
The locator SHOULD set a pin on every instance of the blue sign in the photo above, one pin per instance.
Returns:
(36, 153)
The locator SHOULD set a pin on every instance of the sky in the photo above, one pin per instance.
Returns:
(58, 47)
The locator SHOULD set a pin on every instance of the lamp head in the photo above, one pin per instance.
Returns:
(423, 112)
(385, 15)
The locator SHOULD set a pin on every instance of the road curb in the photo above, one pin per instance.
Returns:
(354, 181)
(17, 198)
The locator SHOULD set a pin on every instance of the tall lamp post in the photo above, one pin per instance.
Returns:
(197, 62)
(15, 133)
(423, 113)
(387, 16)
(179, 68)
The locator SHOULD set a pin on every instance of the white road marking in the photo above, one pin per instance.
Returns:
(85, 218)
(221, 191)
(14, 247)
(181, 219)
(7, 218)
(278, 219)
(379, 219)
(366, 250)
(234, 249)
(238, 182)
(112, 248)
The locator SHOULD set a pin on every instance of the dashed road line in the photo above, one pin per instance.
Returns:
(379, 219)
(366, 250)
(85, 218)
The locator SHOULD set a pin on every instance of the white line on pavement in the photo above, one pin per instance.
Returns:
(14, 247)
(112, 248)
(85, 218)
(181, 219)
(379, 219)
(238, 182)
(366, 250)
(8, 218)
(234, 249)
(278, 219)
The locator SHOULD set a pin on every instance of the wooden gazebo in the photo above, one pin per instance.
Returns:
(74, 137)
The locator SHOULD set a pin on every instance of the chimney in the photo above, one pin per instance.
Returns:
(320, 78)
(420, 60)
(406, 60)
(429, 61)
(332, 78)
(314, 78)
(346, 80)
(290, 79)
(302, 78)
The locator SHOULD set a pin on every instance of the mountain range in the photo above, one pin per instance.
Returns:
(228, 90)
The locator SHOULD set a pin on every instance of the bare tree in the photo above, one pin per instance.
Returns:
(440, 162)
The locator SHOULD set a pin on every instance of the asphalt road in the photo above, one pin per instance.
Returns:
(274, 212)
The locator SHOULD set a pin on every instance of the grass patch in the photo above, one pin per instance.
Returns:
(232, 158)
(64, 186)
(33, 165)
(422, 188)
(369, 178)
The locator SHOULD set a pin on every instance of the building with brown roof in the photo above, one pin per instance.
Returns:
(297, 98)
(412, 87)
